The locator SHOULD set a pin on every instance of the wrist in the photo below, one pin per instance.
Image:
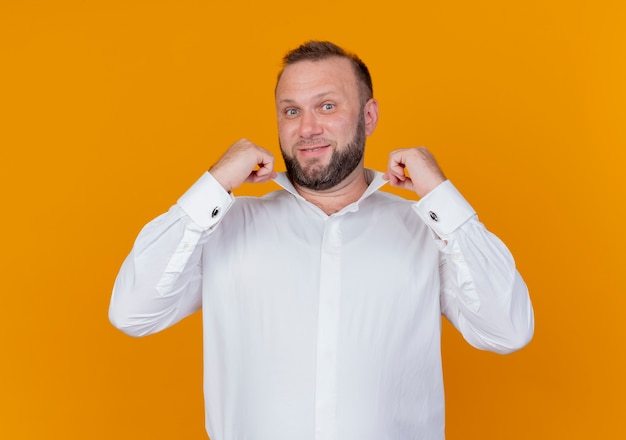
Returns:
(222, 180)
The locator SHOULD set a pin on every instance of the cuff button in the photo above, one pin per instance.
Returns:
(215, 212)
(433, 216)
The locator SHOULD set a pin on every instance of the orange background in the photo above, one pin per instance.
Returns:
(111, 109)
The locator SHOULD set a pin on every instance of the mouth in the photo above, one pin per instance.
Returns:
(313, 150)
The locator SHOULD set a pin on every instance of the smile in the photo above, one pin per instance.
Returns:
(313, 151)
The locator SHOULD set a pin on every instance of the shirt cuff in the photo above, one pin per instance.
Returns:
(206, 202)
(444, 209)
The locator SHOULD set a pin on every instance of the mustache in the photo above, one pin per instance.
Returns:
(312, 142)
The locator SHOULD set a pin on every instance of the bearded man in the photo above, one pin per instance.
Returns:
(322, 302)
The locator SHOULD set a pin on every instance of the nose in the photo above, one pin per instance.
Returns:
(310, 125)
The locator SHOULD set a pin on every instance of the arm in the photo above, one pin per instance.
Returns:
(160, 282)
(482, 293)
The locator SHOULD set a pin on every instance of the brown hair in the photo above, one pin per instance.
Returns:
(321, 50)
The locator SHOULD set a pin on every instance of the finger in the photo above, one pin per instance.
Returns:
(263, 172)
(406, 183)
(396, 168)
(396, 180)
(266, 165)
(254, 177)
(397, 174)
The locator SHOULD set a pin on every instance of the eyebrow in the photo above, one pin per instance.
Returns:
(318, 96)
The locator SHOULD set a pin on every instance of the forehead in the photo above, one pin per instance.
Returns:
(303, 78)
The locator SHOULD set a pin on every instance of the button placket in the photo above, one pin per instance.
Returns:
(327, 332)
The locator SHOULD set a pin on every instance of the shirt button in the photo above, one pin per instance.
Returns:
(433, 216)
(215, 212)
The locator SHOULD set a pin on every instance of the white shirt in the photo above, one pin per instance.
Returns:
(323, 327)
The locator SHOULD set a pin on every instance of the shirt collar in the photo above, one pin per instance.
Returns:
(375, 179)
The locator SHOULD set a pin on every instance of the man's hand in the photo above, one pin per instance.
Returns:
(414, 169)
(243, 162)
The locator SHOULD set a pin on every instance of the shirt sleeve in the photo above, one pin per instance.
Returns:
(482, 293)
(159, 282)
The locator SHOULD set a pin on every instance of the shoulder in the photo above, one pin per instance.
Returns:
(273, 201)
(382, 198)
(273, 198)
(393, 210)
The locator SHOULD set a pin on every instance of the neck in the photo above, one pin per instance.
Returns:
(338, 197)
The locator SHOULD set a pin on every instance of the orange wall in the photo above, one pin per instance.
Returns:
(110, 109)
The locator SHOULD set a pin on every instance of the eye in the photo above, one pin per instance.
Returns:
(328, 106)
(291, 112)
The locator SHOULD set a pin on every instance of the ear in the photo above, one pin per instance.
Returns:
(370, 113)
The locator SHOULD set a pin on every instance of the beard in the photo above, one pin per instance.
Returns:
(342, 163)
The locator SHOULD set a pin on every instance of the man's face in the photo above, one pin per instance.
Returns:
(321, 123)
